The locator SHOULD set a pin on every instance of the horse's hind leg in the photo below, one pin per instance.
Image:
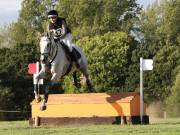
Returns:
(76, 82)
(89, 83)
(88, 80)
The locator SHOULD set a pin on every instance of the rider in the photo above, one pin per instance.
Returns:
(59, 23)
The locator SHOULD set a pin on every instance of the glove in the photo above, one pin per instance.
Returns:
(58, 32)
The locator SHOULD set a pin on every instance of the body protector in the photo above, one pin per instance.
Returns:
(60, 35)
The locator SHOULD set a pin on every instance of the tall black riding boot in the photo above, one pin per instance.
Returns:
(72, 54)
(75, 58)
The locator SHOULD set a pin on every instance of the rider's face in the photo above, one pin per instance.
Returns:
(53, 19)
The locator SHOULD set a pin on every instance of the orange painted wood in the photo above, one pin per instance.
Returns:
(89, 105)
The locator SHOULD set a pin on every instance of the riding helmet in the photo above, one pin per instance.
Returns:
(52, 13)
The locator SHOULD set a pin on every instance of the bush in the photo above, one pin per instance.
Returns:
(14, 77)
(173, 101)
(6, 95)
(108, 58)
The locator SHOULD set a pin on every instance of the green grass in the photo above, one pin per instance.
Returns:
(158, 127)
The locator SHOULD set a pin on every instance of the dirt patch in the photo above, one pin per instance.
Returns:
(156, 110)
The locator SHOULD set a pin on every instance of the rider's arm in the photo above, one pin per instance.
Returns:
(64, 29)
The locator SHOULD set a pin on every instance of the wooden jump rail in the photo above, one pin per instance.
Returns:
(89, 108)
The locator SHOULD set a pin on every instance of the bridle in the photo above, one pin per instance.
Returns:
(48, 54)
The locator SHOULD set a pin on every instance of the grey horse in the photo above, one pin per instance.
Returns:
(54, 54)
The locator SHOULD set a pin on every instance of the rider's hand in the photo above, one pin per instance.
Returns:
(59, 32)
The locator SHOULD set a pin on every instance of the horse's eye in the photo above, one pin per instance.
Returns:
(48, 45)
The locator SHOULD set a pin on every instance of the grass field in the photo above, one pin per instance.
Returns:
(156, 127)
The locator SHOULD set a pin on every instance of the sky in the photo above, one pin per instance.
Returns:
(145, 3)
(10, 10)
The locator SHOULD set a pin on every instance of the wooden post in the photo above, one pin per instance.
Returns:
(123, 120)
(36, 121)
(129, 120)
(165, 115)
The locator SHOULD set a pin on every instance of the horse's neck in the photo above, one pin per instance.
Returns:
(61, 55)
(60, 50)
(53, 51)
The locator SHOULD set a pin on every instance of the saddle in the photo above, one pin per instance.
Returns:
(68, 54)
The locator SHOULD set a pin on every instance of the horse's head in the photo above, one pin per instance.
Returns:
(45, 48)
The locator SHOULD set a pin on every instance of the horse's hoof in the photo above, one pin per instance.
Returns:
(42, 108)
(38, 99)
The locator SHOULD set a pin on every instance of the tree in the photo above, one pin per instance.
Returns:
(155, 25)
(159, 83)
(170, 21)
(31, 21)
(97, 17)
(6, 96)
(14, 79)
(5, 39)
(173, 100)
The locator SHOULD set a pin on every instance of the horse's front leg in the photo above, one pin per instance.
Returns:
(36, 93)
(45, 96)
(49, 86)
(39, 76)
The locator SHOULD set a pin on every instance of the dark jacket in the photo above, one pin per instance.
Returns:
(58, 25)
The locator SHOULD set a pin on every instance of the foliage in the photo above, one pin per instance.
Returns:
(68, 86)
(159, 83)
(160, 34)
(6, 101)
(86, 18)
(173, 100)
(97, 17)
(108, 59)
(32, 20)
(14, 76)
(170, 22)
(5, 39)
